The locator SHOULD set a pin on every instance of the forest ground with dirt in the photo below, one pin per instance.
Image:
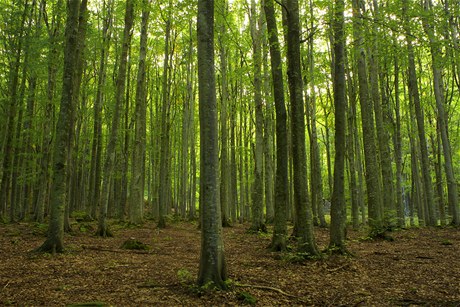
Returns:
(419, 267)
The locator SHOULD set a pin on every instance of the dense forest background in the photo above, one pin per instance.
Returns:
(99, 113)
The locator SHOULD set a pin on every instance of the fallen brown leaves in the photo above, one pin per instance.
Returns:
(421, 267)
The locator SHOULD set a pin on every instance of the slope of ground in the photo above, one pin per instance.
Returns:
(420, 267)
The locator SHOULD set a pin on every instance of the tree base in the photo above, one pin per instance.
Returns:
(258, 228)
(105, 233)
(50, 246)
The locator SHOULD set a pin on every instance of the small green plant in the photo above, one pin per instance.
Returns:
(134, 244)
(40, 229)
(446, 242)
(246, 298)
(297, 257)
(81, 216)
(184, 276)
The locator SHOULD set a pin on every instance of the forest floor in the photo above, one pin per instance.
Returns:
(420, 267)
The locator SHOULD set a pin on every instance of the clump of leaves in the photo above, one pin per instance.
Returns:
(246, 298)
(86, 227)
(134, 244)
(40, 229)
(184, 276)
(446, 242)
(298, 257)
(81, 216)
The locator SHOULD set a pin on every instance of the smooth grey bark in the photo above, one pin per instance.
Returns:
(397, 140)
(304, 223)
(53, 29)
(316, 173)
(12, 110)
(428, 198)
(224, 101)
(94, 193)
(338, 205)
(54, 242)
(278, 242)
(258, 184)
(436, 145)
(438, 87)
(381, 124)
(164, 188)
(269, 158)
(212, 262)
(136, 202)
(109, 162)
(367, 119)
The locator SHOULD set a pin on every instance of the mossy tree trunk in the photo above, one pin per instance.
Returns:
(212, 262)
(58, 194)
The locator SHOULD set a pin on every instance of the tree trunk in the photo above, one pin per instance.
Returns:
(212, 263)
(165, 131)
(306, 243)
(258, 187)
(438, 86)
(224, 163)
(367, 119)
(54, 242)
(281, 175)
(338, 205)
(414, 93)
(109, 162)
(136, 202)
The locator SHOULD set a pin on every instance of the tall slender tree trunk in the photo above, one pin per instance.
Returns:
(367, 119)
(281, 175)
(338, 205)
(212, 262)
(94, 194)
(136, 202)
(109, 162)
(54, 242)
(398, 150)
(258, 187)
(303, 212)
(7, 150)
(165, 131)
(438, 86)
(428, 198)
(224, 163)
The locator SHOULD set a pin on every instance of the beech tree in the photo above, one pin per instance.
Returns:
(58, 194)
(212, 262)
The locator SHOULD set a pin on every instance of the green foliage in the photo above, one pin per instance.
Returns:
(81, 216)
(184, 276)
(246, 298)
(134, 245)
(446, 242)
(85, 227)
(40, 229)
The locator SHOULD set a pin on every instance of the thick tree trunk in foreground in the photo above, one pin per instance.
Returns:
(281, 176)
(367, 119)
(338, 206)
(258, 187)
(212, 263)
(54, 242)
(304, 223)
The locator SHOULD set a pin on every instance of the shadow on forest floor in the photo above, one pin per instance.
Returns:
(421, 267)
